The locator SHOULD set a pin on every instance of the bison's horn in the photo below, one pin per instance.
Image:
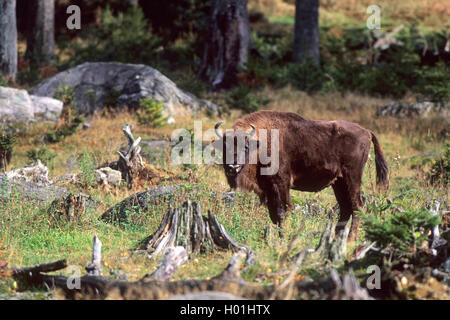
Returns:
(252, 133)
(216, 128)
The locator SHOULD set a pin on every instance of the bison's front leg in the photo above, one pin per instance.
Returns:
(278, 200)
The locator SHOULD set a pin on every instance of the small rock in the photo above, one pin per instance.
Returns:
(18, 106)
(37, 174)
(108, 177)
(170, 120)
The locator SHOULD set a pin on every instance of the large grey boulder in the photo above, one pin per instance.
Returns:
(97, 84)
(45, 108)
(18, 106)
(15, 105)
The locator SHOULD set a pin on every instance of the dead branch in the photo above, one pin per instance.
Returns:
(44, 267)
(434, 211)
(95, 267)
(348, 288)
(232, 271)
(289, 281)
(172, 260)
(130, 161)
(388, 39)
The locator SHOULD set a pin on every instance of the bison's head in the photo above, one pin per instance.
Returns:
(236, 146)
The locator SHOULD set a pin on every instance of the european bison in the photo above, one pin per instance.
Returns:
(313, 154)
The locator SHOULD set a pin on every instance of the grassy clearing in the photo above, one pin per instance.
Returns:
(30, 235)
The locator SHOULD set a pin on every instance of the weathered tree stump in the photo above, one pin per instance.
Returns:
(187, 227)
(130, 161)
(71, 207)
(332, 246)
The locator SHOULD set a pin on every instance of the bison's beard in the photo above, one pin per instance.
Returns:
(233, 178)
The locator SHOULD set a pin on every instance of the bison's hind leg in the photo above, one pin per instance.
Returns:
(349, 200)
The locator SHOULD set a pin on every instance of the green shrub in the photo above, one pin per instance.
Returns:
(150, 113)
(87, 166)
(189, 82)
(434, 82)
(29, 76)
(65, 94)
(70, 119)
(242, 98)
(7, 141)
(403, 231)
(440, 170)
(124, 37)
(67, 129)
(43, 154)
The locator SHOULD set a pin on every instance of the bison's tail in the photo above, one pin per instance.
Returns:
(380, 163)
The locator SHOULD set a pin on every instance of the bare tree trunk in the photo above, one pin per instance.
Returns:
(41, 32)
(227, 43)
(306, 39)
(8, 39)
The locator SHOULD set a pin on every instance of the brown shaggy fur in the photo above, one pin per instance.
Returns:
(313, 155)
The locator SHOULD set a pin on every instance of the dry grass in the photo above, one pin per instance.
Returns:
(429, 13)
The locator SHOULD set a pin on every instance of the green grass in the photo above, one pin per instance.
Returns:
(282, 20)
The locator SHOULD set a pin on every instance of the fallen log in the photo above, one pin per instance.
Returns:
(228, 284)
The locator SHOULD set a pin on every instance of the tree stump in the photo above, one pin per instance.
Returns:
(332, 247)
(187, 227)
(71, 207)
